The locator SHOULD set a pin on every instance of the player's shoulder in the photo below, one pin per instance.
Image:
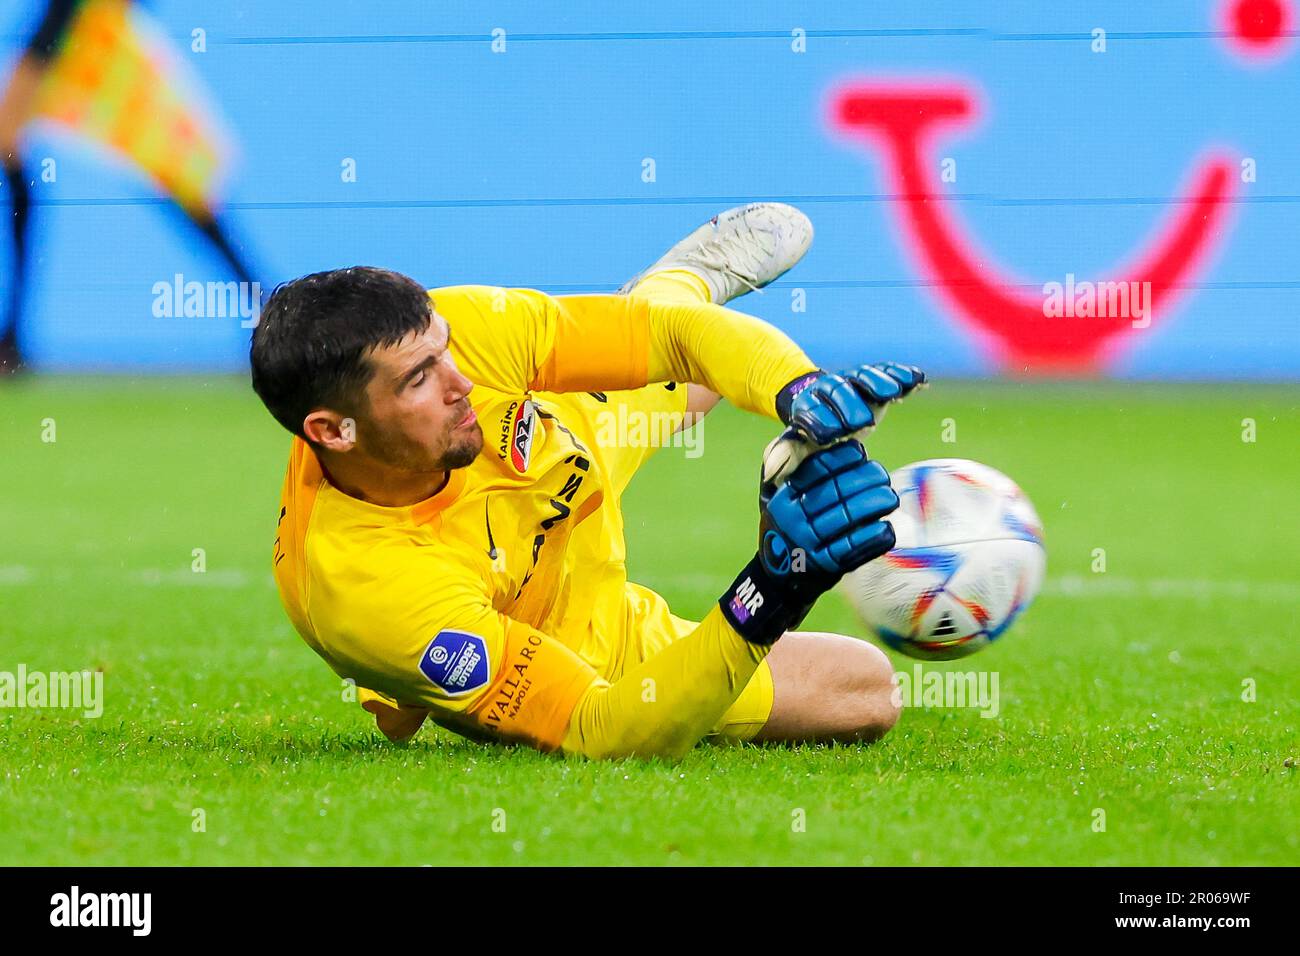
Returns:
(485, 300)
(499, 336)
(380, 601)
(469, 292)
(397, 613)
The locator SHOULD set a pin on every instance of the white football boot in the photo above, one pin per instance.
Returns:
(740, 250)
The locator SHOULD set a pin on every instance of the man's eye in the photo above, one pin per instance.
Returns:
(419, 379)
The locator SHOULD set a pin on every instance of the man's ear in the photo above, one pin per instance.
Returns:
(330, 430)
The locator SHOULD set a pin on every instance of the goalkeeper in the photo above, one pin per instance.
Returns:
(450, 535)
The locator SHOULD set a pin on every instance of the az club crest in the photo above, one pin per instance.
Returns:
(517, 431)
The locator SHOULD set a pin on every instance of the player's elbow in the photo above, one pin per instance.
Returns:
(596, 734)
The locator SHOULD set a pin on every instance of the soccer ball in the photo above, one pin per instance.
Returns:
(968, 561)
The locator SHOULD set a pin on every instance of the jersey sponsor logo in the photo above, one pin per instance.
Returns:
(510, 696)
(515, 440)
(521, 444)
(456, 662)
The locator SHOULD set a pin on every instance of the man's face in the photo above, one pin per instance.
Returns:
(418, 417)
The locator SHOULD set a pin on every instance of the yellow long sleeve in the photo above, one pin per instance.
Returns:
(666, 704)
(740, 357)
(611, 341)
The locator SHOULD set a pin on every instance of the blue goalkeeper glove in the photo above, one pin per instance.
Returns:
(827, 407)
(823, 522)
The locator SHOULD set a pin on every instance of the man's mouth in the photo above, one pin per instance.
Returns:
(469, 419)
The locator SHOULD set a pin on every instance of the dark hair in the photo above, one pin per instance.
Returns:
(313, 339)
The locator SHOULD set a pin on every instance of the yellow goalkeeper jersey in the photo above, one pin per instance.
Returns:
(497, 603)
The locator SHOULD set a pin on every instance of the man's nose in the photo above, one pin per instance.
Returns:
(459, 388)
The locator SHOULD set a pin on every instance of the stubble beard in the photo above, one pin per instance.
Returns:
(462, 453)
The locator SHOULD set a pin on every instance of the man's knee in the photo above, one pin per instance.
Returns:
(830, 687)
(873, 686)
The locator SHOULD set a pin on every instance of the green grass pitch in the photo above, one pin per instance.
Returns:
(1121, 691)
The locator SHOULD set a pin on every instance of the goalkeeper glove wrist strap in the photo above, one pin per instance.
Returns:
(785, 397)
(759, 607)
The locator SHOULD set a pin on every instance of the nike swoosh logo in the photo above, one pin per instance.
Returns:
(487, 520)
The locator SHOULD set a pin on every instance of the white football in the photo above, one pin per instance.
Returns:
(968, 561)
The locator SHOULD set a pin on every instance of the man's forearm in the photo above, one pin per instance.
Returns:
(610, 342)
(662, 707)
(742, 358)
